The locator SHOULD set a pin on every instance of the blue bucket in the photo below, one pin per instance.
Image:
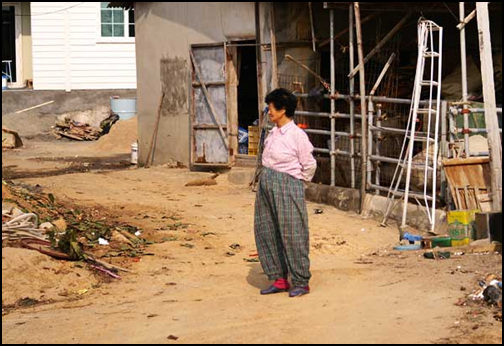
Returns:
(125, 108)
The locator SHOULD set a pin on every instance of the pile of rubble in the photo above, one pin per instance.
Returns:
(82, 131)
(66, 233)
(488, 293)
(10, 139)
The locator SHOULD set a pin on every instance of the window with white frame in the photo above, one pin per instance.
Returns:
(116, 22)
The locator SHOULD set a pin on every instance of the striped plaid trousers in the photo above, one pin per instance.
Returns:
(281, 227)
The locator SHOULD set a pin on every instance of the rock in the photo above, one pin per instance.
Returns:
(481, 242)
(118, 238)
(202, 182)
(10, 139)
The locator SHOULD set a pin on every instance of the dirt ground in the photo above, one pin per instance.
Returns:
(196, 288)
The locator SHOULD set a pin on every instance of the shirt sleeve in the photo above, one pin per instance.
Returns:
(306, 159)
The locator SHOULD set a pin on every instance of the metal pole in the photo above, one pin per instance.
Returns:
(445, 196)
(463, 65)
(370, 143)
(492, 123)
(352, 93)
(378, 146)
(363, 104)
(333, 105)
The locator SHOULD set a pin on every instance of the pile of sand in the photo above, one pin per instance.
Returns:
(119, 139)
(30, 274)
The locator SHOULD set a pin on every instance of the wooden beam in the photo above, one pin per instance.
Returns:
(344, 31)
(491, 120)
(274, 62)
(364, 130)
(382, 42)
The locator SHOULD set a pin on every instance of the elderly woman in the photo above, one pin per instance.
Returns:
(281, 219)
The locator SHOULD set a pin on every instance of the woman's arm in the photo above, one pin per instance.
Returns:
(306, 159)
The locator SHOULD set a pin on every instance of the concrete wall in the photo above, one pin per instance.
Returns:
(375, 207)
(37, 123)
(164, 33)
(27, 41)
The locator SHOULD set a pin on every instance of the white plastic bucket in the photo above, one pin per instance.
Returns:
(134, 153)
(125, 108)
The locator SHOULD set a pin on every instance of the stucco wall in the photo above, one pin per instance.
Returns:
(164, 33)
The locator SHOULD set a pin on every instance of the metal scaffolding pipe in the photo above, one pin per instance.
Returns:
(335, 153)
(479, 110)
(378, 145)
(463, 65)
(400, 193)
(471, 130)
(381, 99)
(370, 143)
(351, 53)
(333, 104)
(323, 115)
(328, 133)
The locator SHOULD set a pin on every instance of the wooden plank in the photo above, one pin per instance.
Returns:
(207, 127)
(381, 43)
(364, 129)
(466, 161)
(274, 62)
(344, 31)
(232, 101)
(468, 179)
(491, 120)
(208, 84)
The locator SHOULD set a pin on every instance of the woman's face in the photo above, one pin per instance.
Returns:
(275, 114)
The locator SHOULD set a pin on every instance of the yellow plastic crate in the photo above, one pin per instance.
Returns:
(460, 242)
(254, 130)
(465, 217)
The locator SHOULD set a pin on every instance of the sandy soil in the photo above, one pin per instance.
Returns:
(199, 290)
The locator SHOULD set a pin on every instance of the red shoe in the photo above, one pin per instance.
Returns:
(280, 285)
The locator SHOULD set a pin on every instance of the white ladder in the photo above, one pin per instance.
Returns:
(430, 109)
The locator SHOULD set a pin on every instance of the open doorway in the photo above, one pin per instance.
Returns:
(247, 87)
(9, 65)
(248, 115)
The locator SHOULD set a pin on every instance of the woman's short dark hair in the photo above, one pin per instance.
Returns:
(283, 99)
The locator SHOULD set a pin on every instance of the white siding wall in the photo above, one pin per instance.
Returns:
(69, 54)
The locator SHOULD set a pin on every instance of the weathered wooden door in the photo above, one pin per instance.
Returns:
(209, 116)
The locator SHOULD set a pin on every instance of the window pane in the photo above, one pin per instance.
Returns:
(106, 30)
(106, 17)
(104, 4)
(118, 16)
(131, 30)
(119, 30)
